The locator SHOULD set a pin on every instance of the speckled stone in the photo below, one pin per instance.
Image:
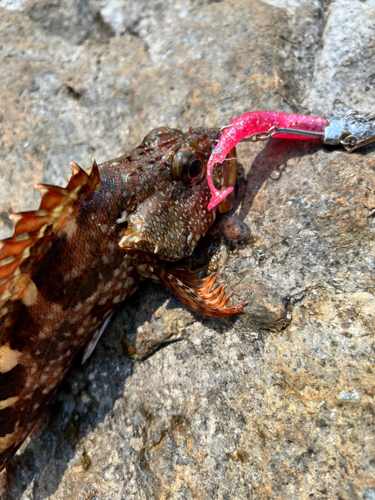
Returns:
(277, 403)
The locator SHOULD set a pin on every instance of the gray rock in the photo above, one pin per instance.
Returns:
(275, 403)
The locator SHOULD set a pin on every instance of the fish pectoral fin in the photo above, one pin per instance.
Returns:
(199, 294)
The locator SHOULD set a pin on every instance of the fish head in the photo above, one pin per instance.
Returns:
(168, 214)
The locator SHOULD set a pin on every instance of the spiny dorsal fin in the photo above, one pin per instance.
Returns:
(34, 230)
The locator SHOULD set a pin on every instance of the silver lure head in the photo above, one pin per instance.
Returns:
(351, 131)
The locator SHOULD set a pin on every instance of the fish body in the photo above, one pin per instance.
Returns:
(71, 263)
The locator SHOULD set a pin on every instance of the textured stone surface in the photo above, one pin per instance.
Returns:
(276, 403)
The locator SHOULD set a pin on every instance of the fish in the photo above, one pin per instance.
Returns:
(74, 260)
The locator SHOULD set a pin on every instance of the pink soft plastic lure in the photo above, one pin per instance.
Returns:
(257, 122)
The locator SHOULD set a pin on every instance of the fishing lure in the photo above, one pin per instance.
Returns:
(71, 262)
(352, 131)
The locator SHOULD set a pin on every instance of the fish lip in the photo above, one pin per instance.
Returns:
(228, 179)
(228, 170)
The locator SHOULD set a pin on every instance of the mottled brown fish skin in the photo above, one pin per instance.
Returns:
(84, 251)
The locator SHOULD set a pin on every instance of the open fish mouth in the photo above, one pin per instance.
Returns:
(224, 176)
(228, 179)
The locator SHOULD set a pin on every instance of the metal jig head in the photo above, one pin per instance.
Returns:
(352, 131)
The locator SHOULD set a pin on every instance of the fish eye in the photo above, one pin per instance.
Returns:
(188, 166)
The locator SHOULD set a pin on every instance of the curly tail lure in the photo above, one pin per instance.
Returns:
(351, 131)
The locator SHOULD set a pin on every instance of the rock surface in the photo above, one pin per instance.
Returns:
(277, 403)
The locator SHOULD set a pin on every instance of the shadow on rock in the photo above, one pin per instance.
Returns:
(83, 401)
(271, 163)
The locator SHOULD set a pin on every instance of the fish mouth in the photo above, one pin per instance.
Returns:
(228, 179)
(224, 176)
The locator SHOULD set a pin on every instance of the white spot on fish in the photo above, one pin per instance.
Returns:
(42, 230)
(6, 295)
(30, 295)
(70, 229)
(102, 301)
(129, 282)
(7, 261)
(8, 402)
(26, 253)
(8, 358)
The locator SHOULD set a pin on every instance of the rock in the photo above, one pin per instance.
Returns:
(277, 402)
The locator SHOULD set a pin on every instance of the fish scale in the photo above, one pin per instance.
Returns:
(71, 262)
